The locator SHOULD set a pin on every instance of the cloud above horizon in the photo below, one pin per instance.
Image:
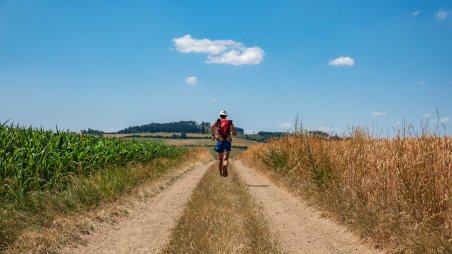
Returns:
(342, 61)
(378, 113)
(441, 14)
(442, 120)
(192, 80)
(286, 125)
(326, 129)
(220, 51)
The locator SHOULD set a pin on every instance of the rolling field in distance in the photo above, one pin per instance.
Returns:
(239, 145)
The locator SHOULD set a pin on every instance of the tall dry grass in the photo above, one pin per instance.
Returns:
(395, 191)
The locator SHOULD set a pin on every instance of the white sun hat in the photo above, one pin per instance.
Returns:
(223, 113)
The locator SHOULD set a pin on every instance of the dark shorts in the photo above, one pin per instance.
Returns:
(223, 146)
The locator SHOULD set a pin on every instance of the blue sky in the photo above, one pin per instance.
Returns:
(112, 64)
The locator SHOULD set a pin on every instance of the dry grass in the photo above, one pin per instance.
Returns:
(64, 218)
(221, 218)
(396, 192)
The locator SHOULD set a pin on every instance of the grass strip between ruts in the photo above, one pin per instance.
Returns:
(221, 217)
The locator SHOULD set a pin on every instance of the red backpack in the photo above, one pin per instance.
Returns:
(224, 128)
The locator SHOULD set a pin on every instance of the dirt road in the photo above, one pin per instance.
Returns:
(148, 227)
(299, 228)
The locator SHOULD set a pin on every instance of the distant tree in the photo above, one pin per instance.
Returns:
(92, 132)
(240, 131)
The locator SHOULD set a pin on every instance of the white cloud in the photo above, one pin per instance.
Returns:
(192, 81)
(213, 100)
(220, 51)
(415, 13)
(422, 82)
(378, 113)
(342, 61)
(285, 125)
(253, 55)
(186, 44)
(426, 115)
(441, 14)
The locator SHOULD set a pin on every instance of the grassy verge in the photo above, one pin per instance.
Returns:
(395, 192)
(221, 218)
(41, 220)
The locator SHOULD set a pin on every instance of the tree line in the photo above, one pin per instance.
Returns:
(180, 127)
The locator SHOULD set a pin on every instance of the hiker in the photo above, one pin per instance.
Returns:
(223, 128)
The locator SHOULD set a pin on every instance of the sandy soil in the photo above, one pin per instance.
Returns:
(148, 226)
(299, 228)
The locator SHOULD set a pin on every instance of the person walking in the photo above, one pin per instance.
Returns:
(222, 129)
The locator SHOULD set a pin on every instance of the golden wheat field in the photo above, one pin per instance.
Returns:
(395, 191)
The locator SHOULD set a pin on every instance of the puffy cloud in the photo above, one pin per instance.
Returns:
(220, 51)
(378, 113)
(253, 55)
(192, 81)
(186, 44)
(342, 61)
(441, 14)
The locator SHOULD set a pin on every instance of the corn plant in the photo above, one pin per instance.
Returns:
(33, 159)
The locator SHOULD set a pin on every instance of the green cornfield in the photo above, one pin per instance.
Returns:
(36, 159)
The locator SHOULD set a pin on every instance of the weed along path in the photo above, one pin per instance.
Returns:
(148, 227)
(299, 228)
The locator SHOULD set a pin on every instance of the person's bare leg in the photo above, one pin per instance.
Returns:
(225, 164)
(220, 163)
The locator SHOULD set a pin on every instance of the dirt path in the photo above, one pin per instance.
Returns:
(148, 227)
(299, 228)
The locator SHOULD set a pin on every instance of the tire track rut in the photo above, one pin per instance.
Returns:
(149, 226)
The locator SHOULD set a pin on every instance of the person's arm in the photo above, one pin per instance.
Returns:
(233, 130)
(212, 128)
